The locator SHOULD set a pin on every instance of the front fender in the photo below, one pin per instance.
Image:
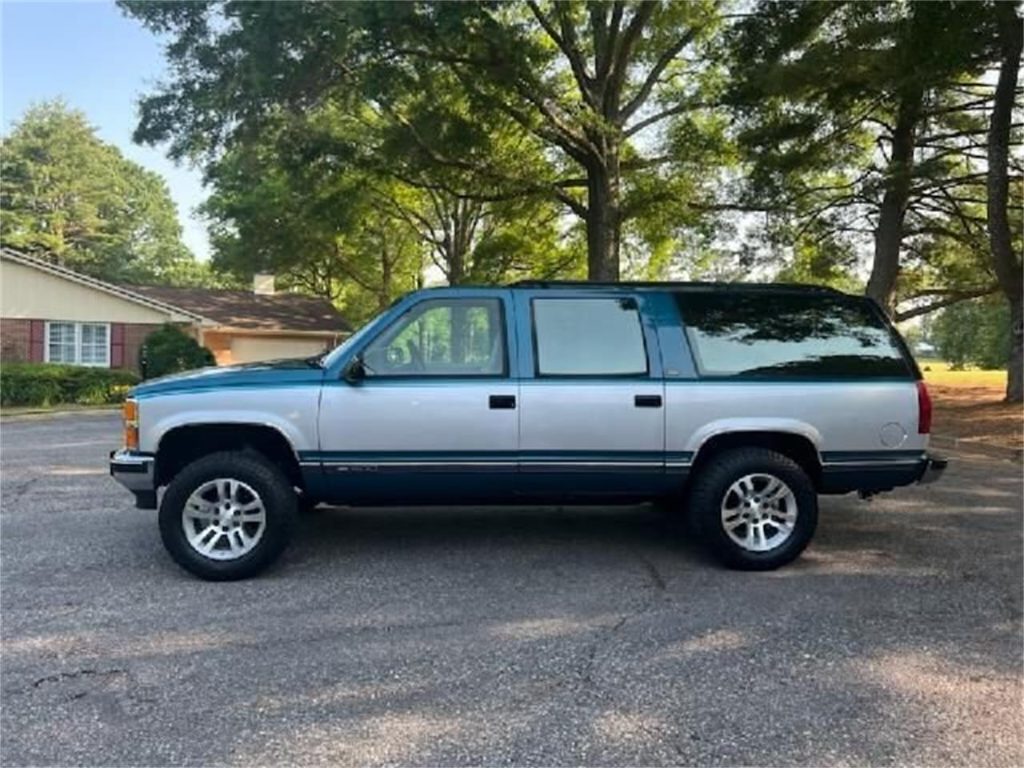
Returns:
(292, 412)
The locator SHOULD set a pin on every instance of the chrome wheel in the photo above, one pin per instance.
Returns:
(759, 512)
(224, 519)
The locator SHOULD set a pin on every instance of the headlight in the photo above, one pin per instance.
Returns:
(130, 412)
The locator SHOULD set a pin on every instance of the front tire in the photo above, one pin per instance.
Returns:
(755, 509)
(227, 516)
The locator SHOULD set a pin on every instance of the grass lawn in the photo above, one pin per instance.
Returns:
(969, 406)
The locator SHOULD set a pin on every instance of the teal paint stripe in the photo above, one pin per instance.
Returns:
(194, 389)
(786, 381)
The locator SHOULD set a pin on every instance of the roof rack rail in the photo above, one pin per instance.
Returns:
(677, 285)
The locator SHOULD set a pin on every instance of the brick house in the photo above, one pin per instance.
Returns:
(49, 313)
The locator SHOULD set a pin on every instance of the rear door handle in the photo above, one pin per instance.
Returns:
(502, 402)
(647, 401)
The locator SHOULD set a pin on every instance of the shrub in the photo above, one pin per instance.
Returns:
(46, 384)
(974, 333)
(170, 350)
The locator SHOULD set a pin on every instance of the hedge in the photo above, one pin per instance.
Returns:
(46, 384)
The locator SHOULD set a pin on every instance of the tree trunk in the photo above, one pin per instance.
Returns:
(1004, 261)
(603, 220)
(1015, 366)
(386, 280)
(889, 233)
(455, 260)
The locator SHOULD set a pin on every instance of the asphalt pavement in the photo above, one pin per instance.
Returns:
(505, 636)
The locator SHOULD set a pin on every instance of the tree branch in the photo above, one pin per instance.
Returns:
(566, 42)
(659, 116)
(652, 77)
(952, 297)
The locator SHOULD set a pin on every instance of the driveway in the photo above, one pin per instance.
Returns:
(527, 637)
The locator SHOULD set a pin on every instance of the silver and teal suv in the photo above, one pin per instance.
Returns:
(736, 403)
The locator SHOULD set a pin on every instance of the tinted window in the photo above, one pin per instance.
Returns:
(588, 337)
(788, 334)
(442, 337)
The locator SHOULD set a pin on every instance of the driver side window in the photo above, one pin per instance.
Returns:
(441, 337)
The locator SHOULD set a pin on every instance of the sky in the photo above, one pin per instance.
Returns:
(100, 62)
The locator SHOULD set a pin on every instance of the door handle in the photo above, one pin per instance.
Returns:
(647, 401)
(502, 402)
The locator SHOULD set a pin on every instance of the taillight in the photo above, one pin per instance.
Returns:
(130, 412)
(924, 409)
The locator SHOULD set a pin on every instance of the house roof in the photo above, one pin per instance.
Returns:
(244, 309)
(210, 306)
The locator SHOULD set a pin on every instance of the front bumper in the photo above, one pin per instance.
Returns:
(136, 472)
(932, 469)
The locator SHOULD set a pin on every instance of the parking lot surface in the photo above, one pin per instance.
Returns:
(494, 637)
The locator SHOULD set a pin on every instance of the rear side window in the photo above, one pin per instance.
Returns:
(789, 335)
(588, 337)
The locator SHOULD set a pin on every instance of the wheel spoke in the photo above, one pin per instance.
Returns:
(200, 513)
(205, 543)
(733, 523)
(759, 538)
(772, 490)
(236, 542)
(786, 517)
(778, 493)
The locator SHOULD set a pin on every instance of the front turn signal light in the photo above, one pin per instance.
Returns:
(130, 413)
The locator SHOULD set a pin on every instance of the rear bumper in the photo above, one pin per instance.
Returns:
(932, 468)
(880, 473)
(136, 472)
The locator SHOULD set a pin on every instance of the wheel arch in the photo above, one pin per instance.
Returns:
(183, 444)
(799, 444)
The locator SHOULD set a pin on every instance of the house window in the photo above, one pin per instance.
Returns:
(78, 343)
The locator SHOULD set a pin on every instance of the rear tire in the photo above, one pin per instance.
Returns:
(228, 515)
(755, 509)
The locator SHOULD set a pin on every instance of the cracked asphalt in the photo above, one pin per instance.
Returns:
(495, 637)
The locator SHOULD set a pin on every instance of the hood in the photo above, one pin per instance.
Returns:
(269, 373)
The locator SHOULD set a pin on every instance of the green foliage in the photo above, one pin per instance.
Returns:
(47, 384)
(974, 333)
(171, 350)
(350, 145)
(865, 122)
(67, 193)
(584, 109)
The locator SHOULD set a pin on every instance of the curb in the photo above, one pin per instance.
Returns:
(46, 413)
(973, 446)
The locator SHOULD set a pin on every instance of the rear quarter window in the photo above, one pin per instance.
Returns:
(789, 335)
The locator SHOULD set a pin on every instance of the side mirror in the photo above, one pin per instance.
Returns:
(354, 370)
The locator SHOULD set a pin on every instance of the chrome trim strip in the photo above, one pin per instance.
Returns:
(384, 463)
(531, 463)
(882, 463)
(535, 463)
